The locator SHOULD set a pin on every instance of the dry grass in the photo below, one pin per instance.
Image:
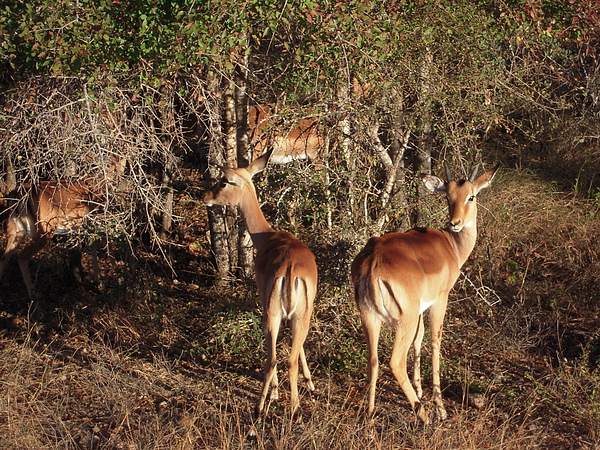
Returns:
(177, 365)
(88, 396)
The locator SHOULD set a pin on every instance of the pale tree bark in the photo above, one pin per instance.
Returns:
(9, 181)
(230, 148)
(245, 247)
(391, 159)
(399, 135)
(348, 155)
(227, 110)
(244, 155)
(423, 157)
(217, 218)
(422, 162)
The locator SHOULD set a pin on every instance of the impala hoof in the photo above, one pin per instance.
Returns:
(441, 413)
(422, 414)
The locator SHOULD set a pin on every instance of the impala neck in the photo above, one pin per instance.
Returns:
(463, 242)
(255, 220)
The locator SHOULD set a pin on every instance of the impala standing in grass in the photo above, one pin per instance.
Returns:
(398, 276)
(286, 275)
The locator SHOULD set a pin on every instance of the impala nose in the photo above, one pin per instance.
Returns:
(456, 225)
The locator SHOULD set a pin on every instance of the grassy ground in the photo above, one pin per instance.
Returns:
(152, 362)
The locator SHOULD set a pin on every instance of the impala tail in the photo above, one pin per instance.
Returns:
(377, 295)
(290, 291)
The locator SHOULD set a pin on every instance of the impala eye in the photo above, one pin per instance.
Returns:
(471, 198)
(222, 183)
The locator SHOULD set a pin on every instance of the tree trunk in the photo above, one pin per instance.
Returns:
(166, 186)
(10, 181)
(422, 162)
(348, 155)
(245, 247)
(244, 156)
(391, 159)
(399, 136)
(230, 146)
(217, 222)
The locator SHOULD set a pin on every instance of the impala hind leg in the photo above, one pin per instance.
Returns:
(11, 246)
(306, 371)
(371, 326)
(300, 328)
(76, 266)
(406, 330)
(95, 267)
(417, 362)
(271, 326)
(24, 257)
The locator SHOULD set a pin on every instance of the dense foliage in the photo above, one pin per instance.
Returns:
(425, 82)
(467, 67)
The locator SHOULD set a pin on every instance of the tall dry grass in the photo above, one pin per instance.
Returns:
(88, 396)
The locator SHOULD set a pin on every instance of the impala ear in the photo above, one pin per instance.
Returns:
(232, 177)
(434, 184)
(485, 180)
(259, 163)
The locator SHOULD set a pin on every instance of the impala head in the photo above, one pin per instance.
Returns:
(235, 184)
(461, 195)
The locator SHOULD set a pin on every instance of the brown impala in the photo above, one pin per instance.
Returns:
(397, 277)
(286, 275)
(48, 209)
(301, 140)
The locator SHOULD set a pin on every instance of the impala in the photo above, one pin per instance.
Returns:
(48, 209)
(301, 139)
(286, 275)
(398, 276)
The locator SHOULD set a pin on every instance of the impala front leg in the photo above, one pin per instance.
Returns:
(436, 319)
(24, 258)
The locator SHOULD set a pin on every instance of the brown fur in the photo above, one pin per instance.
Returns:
(302, 140)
